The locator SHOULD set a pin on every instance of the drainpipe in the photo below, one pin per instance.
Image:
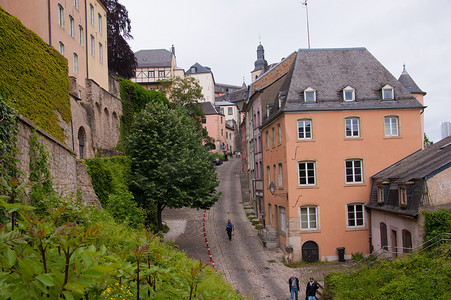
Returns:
(50, 23)
(86, 40)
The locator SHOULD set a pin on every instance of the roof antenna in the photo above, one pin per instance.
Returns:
(308, 30)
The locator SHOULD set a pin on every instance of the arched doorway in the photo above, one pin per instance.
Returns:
(81, 142)
(310, 252)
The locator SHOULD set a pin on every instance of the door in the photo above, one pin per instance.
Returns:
(394, 243)
(310, 252)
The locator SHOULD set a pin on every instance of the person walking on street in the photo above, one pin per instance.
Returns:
(294, 287)
(310, 291)
(229, 229)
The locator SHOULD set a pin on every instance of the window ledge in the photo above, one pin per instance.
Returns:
(307, 187)
(304, 140)
(354, 184)
(357, 138)
(393, 137)
(361, 228)
(310, 231)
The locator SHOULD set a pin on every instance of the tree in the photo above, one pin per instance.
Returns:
(121, 58)
(170, 168)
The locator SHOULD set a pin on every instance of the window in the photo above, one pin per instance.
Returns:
(99, 20)
(391, 126)
(100, 53)
(61, 48)
(93, 46)
(222, 132)
(349, 94)
(71, 26)
(280, 179)
(273, 132)
(75, 63)
(304, 129)
(309, 218)
(283, 222)
(270, 214)
(354, 172)
(309, 95)
(204, 120)
(402, 196)
(161, 75)
(221, 118)
(355, 215)
(380, 194)
(387, 93)
(352, 127)
(406, 241)
(267, 139)
(279, 134)
(230, 111)
(60, 15)
(384, 240)
(151, 74)
(221, 110)
(76, 4)
(91, 14)
(307, 173)
(275, 174)
(268, 172)
(81, 37)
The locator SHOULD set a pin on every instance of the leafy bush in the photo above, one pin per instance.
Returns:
(357, 256)
(436, 223)
(419, 276)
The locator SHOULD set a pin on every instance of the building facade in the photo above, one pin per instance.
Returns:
(338, 117)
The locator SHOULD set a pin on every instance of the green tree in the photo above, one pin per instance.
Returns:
(170, 168)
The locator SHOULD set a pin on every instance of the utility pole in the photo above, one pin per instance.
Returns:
(308, 30)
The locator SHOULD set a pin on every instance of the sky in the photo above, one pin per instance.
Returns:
(224, 35)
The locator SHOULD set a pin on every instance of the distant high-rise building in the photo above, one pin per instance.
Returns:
(446, 129)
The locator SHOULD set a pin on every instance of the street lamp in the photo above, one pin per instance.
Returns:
(272, 189)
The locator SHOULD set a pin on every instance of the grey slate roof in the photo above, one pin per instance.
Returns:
(209, 109)
(235, 96)
(154, 58)
(408, 83)
(198, 69)
(329, 71)
(421, 164)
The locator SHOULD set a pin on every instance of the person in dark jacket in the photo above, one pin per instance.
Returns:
(310, 291)
(229, 229)
(294, 287)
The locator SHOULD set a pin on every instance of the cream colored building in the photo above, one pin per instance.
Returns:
(206, 81)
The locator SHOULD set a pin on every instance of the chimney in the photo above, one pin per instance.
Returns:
(173, 50)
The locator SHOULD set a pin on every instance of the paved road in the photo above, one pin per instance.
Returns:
(253, 270)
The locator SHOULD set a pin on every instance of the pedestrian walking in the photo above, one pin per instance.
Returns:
(229, 229)
(294, 287)
(310, 291)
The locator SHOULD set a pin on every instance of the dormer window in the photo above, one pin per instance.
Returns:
(388, 93)
(402, 196)
(309, 95)
(349, 94)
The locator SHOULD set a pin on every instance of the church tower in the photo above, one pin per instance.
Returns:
(260, 64)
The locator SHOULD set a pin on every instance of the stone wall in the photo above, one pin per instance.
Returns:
(68, 174)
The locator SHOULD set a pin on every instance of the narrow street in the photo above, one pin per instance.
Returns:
(254, 271)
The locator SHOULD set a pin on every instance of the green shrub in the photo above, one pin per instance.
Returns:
(436, 223)
(357, 256)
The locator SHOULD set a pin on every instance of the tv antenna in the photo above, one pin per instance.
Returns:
(308, 30)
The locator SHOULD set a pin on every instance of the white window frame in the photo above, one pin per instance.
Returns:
(352, 170)
(151, 74)
(60, 11)
(346, 90)
(93, 46)
(81, 37)
(101, 53)
(303, 133)
(71, 26)
(306, 167)
(75, 63)
(164, 75)
(283, 219)
(380, 194)
(308, 92)
(268, 175)
(76, 4)
(279, 134)
(388, 89)
(267, 139)
(61, 48)
(280, 172)
(353, 215)
(308, 217)
(99, 20)
(230, 111)
(354, 125)
(402, 192)
(390, 128)
(273, 133)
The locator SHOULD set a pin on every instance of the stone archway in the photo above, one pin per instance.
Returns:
(81, 142)
(310, 252)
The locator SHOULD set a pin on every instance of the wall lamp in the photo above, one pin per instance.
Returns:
(272, 189)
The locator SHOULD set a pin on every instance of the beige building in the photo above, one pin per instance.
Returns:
(78, 30)
(155, 65)
(205, 79)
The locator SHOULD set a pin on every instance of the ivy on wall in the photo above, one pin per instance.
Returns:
(9, 127)
(34, 76)
(134, 98)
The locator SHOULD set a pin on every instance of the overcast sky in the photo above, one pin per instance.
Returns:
(224, 35)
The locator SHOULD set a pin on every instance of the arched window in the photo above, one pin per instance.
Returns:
(81, 142)
(406, 241)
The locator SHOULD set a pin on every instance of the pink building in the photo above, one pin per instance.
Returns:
(338, 118)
